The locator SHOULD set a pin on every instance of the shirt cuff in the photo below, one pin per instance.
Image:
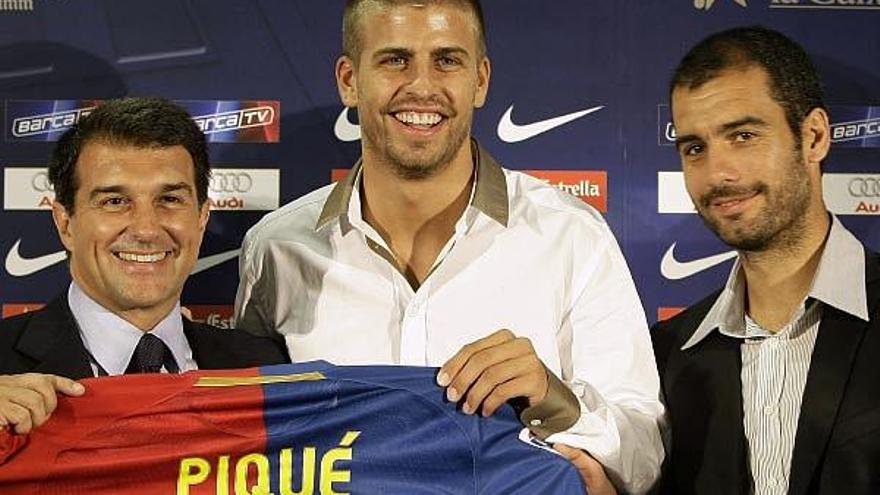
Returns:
(558, 412)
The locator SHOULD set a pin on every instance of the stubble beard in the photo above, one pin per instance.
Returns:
(780, 225)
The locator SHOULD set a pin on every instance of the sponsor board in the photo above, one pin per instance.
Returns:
(15, 309)
(43, 120)
(852, 194)
(236, 121)
(591, 186)
(852, 126)
(845, 194)
(667, 312)
(825, 4)
(230, 189)
(672, 195)
(218, 315)
(222, 121)
(16, 5)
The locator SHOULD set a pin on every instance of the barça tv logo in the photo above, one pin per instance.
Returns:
(222, 121)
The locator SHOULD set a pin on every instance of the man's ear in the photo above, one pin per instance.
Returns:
(346, 81)
(484, 73)
(62, 218)
(816, 136)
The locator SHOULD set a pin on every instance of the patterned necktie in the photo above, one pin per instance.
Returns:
(149, 356)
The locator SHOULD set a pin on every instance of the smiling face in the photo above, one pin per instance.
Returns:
(418, 77)
(744, 170)
(137, 226)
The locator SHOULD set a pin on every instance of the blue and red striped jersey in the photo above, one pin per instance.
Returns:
(310, 428)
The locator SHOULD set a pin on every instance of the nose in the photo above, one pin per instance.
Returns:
(422, 79)
(722, 166)
(145, 222)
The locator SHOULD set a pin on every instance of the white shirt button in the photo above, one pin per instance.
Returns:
(769, 410)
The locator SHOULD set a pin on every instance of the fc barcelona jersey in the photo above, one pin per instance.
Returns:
(310, 428)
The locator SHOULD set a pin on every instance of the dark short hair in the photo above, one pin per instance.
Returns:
(794, 82)
(141, 122)
(353, 9)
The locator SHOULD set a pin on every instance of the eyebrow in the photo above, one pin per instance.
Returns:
(166, 188)
(406, 52)
(723, 128)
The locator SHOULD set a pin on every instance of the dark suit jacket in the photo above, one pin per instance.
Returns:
(837, 445)
(48, 341)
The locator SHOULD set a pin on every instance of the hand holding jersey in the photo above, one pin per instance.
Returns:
(492, 370)
(27, 400)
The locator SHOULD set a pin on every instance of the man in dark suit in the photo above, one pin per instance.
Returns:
(772, 383)
(131, 208)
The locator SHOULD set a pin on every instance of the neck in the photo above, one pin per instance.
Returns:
(399, 206)
(144, 318)
(779, 278)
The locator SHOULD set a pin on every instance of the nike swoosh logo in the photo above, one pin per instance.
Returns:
(213, 260)
(344, 129)
(673, 269)
(19, 266)
(514, 133)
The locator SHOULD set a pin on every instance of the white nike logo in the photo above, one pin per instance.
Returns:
(673, 269)
(19, 266)
(344, 129)
(514, 133)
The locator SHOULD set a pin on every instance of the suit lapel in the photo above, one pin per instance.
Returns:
(52, 340)
(726, 457)
(837, 344)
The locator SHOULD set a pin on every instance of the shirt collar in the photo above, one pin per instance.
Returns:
(111, 340)
(489, 196)
(840, 285)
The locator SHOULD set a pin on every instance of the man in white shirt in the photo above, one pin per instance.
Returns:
(429, 253)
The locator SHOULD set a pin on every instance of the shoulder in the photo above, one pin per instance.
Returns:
(294, 219)
(669, 335)
(530, 197)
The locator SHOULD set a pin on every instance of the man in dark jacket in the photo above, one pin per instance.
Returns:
(771, 383)
(131, 207)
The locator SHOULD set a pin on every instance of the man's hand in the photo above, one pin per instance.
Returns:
(27, 401)
(591, 471)
(492, 370)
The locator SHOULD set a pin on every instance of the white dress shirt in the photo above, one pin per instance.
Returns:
(110, 340)
(524, 256)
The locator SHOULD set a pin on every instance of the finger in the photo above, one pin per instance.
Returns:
(67, 386)
(491, 377)
(186, 313)
(17, 416)
(30, 400)
(502, 393)
(477, 365)
(455, 363)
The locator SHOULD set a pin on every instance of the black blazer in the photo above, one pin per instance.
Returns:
(48, 341)
(837, 444)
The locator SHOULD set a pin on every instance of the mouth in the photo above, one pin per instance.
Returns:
(419, 121)
(143, 258)
(733, 205)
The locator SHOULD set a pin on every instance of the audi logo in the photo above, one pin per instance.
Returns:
(862, 187)
(40, 182)
(230, 182)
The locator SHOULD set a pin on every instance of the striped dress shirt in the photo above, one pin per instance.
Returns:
(775, 366)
